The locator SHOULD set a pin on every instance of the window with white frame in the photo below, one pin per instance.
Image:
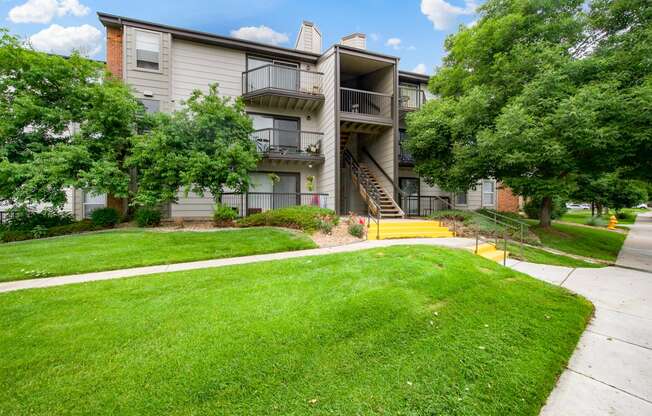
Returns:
(93, 202)
(488, 192)
(461, 198)
(148, 50)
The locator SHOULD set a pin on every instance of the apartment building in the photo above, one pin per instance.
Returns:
(329, 123)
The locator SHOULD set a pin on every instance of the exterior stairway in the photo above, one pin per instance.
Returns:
(388, 229)
(388, 207)
(490, 252)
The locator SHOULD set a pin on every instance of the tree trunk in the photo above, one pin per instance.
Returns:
(599, 209)
(545, 214)
(593, 208)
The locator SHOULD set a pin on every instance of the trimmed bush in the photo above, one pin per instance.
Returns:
(356, 230)
(306, 218)
(596, 221)
(147, 217)
(224, 215)
(105, 217)
(75, 228)
(24, 219)
(452, 214)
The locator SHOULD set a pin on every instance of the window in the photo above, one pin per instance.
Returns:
(269, 190)
(148, 47)
(151, 106)
(461, 198)
(278, 134)
(93, 202)
(488, 192)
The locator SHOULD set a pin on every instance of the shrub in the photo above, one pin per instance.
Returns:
(325, 225)
(74, 228)
(356, 230)
(39, 231)
(306, 218)
(224, 215)
(147, 217)
(105, 217)
(596, 221)
(15, 235)
(24, 219)
(533, 205)
(624, 215)
(452, 214)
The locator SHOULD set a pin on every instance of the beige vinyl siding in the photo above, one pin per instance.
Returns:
(381, 147)
(195, 66)
(142, 80)
(325, 119)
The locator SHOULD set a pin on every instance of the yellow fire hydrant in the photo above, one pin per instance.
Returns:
(612, 222)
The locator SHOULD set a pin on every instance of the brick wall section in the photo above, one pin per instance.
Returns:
(114, 55)
(507, 201)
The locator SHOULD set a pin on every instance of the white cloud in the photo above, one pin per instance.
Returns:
(420, 69)
(442, 14)
(472, 23)
(411, 48)
(395, 43)
(85, 39)
(262, 34)
(374, 36)
(42, 11)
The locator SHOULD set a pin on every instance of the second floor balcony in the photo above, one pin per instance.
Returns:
(283, 86)
(410, 98)
(404, 156)
(297, 145)
(362, 106)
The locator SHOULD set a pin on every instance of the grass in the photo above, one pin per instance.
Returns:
(582, 241)
(401, 330)
(582, 216)
(535, 255)
(132, 248)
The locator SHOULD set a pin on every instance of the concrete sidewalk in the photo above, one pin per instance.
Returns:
(610, 372)
(637, 250)
(205, 264)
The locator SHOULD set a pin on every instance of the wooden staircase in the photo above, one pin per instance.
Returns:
(388, 207)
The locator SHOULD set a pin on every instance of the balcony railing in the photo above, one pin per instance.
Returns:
(368, 103)
(282, 78)
(410, 98)
(288, 142)
(404, 156)
(423, 206)
(249, 203)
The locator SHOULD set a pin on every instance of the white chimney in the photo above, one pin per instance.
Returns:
(355, 40)
(309, 38)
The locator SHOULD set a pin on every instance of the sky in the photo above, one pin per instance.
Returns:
(413, 30)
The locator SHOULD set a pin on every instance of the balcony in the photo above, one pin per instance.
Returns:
(283, 87)
(404, 157)
(249, 203)
(294, 145)
(364, 111)
(410, 98)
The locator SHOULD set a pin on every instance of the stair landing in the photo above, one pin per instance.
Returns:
(401, 228)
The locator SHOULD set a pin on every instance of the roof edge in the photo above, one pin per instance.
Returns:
(414, 75)
(108, 19)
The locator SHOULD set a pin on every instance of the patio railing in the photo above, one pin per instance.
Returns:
(288, 142)
(249, 203)
(366, 102)
(410, 98)
(284, 78)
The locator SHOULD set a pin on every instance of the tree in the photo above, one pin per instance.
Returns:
(537, 94)
(613, 191)
(204, 146)
(63, 122)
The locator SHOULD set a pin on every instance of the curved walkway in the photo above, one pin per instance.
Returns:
(610, 372)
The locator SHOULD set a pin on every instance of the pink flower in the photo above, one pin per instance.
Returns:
(361, 221)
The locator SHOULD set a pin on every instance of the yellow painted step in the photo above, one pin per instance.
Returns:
(384, 235)
(497, 255)
(484, 248)
(405, 224)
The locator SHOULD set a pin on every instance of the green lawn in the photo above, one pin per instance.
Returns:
(535, 255)
(131, 248)
(583, 241)
(401, 330)
(582, 216)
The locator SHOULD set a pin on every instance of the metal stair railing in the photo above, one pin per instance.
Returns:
(371, 195)
(397, 191)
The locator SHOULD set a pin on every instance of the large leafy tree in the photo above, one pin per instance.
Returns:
(204, 146)
(537, 94)
(63, 122)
